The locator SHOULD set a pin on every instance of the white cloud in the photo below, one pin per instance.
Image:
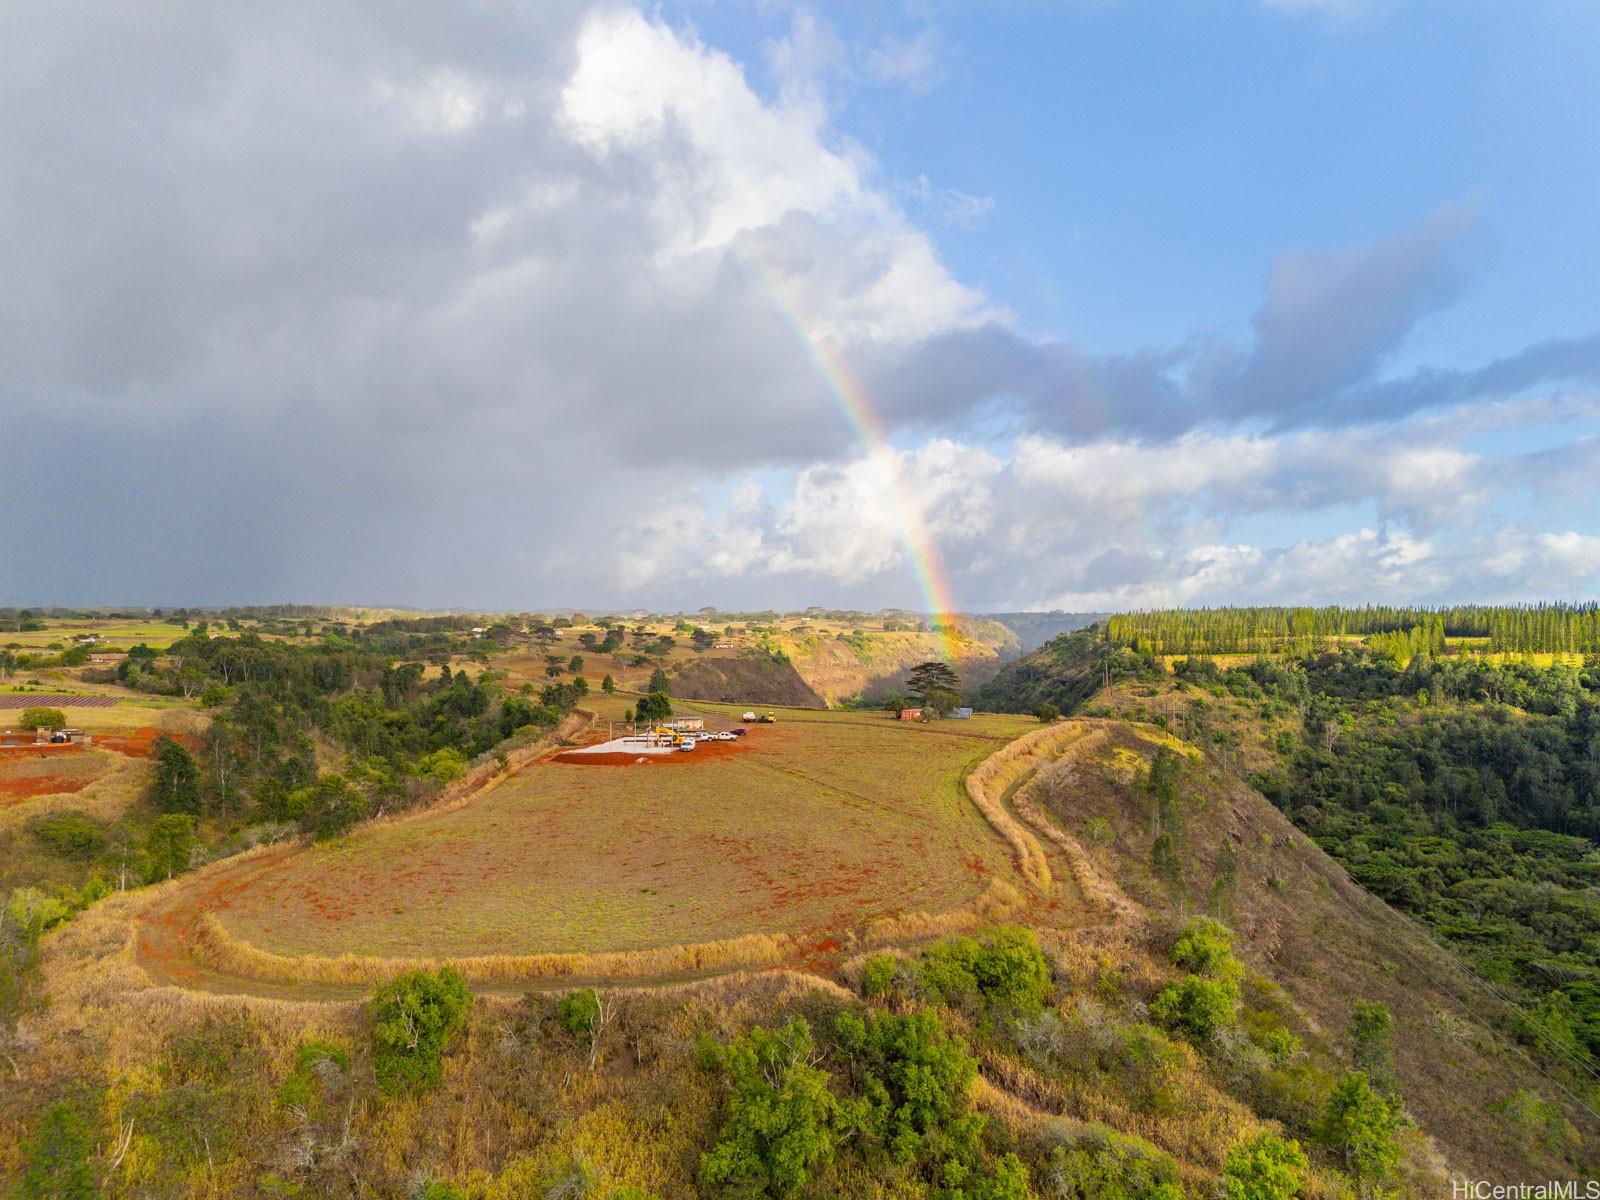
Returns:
(949, 206)
(916, 63)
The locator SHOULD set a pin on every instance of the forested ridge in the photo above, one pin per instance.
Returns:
(1541, 628)
(1463, 791)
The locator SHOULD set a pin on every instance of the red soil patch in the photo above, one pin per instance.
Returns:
(141, 743)
(25, 787)
(14, 791)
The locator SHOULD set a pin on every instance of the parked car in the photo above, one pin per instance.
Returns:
(749, 716)
(735, 733)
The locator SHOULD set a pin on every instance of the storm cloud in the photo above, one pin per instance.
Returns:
(516, 305)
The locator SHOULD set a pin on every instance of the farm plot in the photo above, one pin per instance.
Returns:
(11, 700)
(815, 827)
(48, 770)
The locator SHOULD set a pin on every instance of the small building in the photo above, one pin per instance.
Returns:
(962, 714)
(911, 714)
(58, 737)
(688, 725)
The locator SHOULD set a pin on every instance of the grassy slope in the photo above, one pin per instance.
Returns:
(1301, 918)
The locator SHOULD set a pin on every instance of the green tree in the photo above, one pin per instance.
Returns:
(608, 685)
(659, 682)
(780, 1128)
(654, 707)
(1264, 1168)
(575, 664)
(176, 785)
(1370, 1048)
(1045, 713)
(413, 1018)
(1362, 1127)
(932, 676)
(913, 1079)
(331, 806)
(43, 718)
(57, 1156)
(169, 845)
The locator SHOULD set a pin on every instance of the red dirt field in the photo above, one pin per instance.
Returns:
(141, 743)
(29, 771)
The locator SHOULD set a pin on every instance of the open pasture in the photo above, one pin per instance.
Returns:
(120, 632)
(814, 826)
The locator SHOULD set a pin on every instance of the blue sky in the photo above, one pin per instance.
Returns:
(1239, 300)
(1148, 161)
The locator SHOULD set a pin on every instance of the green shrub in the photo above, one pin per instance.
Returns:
(314, 1056)
(31, 911)
(579, 1010)
(413, 1016)
(1005, 966)
(1100, 1164)
(1264, 1168)
(57, 1156)
(42, 718)
(1361, 1126)
(780, 1127)
(1281, 1046)
(70, 834)
(913, 1079)
(877, 974)
(330, 806)
(1196, 1007)
(1206, 948)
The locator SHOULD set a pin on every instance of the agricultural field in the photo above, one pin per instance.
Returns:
(114, 632)
(815, 826)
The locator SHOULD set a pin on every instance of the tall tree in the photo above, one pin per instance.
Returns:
(932, 676)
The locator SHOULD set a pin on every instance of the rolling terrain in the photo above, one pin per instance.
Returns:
(834, 866)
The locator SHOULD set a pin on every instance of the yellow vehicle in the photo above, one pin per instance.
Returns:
(767, 719)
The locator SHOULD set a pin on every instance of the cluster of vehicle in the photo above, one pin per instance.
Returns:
(688, 741)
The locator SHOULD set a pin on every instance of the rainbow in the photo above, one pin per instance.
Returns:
(927, 563)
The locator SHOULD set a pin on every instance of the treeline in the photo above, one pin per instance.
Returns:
(399, 732)
(1542, 628)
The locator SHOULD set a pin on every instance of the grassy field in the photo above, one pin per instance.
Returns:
(816, 826)
(118, 633)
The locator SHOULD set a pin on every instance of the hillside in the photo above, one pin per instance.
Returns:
(1034, 629)
(1312, 930)
(872, 665)
(1008, 904)
(752, 678)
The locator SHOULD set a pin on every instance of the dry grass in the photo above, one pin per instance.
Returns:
(1002, 773)
(118, 782)
(218, 948)
(813, 828)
